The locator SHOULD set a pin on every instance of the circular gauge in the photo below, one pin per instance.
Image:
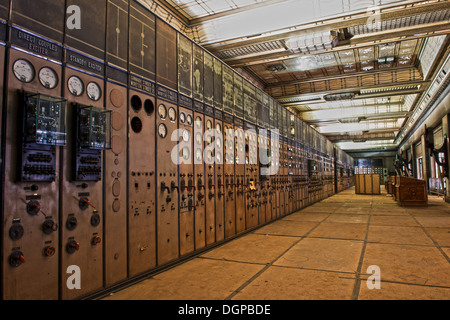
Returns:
(186, 135)
(23, 70)
(219, 158)
(93, 91)
(198, 154)
(162, 111)
(162, 130)
(48, 77)
(189, 119)
(172, 114)
(209, 156)
(198, 138)
(246, 160)
(186, 153)
(219, 127)
(208, 125)
(75, 85)
(198, 122)
(219, 143)
(182, 117)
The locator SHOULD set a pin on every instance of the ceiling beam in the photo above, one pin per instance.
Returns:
(418, 32)
(331, 24)
(198, 21)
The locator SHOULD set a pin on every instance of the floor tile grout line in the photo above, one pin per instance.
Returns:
(254, 277)
(357, 285)
(405, 283)
(431, 238)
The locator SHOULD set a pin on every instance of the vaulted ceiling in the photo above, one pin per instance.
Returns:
(356, 70)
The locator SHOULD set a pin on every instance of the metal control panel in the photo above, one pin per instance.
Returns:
(32, 156)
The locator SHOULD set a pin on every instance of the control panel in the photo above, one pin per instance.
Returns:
(167, 189)
(35, 133)
(187, 182)
(141, 183)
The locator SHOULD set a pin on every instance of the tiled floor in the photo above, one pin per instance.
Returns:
(321, 252)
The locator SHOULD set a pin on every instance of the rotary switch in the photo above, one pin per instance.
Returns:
(16, 259)
(72, 246)
(97, 240)
(49, 251)
(49, 226)
(16, 232)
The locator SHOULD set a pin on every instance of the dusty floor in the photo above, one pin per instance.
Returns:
(321, 252)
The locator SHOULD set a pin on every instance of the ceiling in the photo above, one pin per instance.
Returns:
(356, 70)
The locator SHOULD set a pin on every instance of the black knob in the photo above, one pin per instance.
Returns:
(72, 246)
(49, 226)
(71, 223)
(16, 259)
(16, 232)
(95, 219)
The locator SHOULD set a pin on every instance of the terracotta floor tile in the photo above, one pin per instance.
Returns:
(255, 248)
(396, 291)
(403, 221)
(277, 283)
(306, 216)
(198, 279)
(323, 254)
(439, 222)
(287, 228)
(334, 230)
(348, 218)
(440, 235)
(409, 264)
(400, 235)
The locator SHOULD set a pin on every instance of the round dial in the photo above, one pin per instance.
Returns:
(48, 77)
(218, 127)
(189, 119)
(198, 138)
(182, 117)
(75, 86)
(219, 143)
(23, 70)
(185, 153)
(219, 158)
(198, 122)
(162, 130)
(209, 156)
(208, 125)
(208, 140)
(93, 91)
(162, 111)
(198, 154)
(186, 135)
(172, 114)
